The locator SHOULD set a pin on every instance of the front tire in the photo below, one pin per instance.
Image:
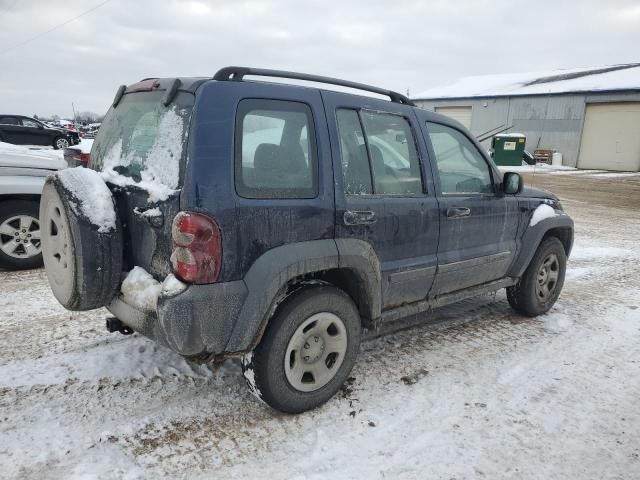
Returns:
(307, 351)
(542, 282)
(20, 244)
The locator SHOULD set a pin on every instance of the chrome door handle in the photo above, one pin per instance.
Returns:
(359, 217)
(457, 212)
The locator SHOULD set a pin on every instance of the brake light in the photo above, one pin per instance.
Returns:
(82, 157)
(197, 248)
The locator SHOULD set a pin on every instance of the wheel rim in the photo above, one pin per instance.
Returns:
(62, 143)
(56, 255)
(20, 237)
(547, 277)
(315, 352)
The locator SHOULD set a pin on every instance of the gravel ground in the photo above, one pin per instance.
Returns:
(495, 395)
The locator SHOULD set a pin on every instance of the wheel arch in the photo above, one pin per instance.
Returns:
(560, 226)
(280, 272)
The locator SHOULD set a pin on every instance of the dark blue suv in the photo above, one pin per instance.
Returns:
(224, 217)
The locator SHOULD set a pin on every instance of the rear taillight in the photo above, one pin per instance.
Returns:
(82, 157)
(197, 248)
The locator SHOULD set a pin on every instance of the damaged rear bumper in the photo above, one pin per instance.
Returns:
(196, 322)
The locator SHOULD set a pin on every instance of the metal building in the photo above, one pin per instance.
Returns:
(590, 115)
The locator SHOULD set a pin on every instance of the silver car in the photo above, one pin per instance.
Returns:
(22, 175)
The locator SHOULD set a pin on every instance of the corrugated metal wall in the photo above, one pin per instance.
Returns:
(553, 122)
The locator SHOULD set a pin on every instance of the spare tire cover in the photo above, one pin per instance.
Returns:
(81, 239)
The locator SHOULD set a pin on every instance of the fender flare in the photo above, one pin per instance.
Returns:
(271, 273)
(532, 238)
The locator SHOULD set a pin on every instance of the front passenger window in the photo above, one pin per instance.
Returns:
(461, 167)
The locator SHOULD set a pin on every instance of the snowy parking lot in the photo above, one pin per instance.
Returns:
(494, 395)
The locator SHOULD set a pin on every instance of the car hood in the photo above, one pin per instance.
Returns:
(533, 192)
(19, 157)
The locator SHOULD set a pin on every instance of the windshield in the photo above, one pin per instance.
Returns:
(141, 141)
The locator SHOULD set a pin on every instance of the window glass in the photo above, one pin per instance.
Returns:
(393, 155)
(461, 167)
(355, 163)
(275, 150)
(9, 121)
(29, 123)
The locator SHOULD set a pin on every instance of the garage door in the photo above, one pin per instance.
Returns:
(611, 137)
(461, 114)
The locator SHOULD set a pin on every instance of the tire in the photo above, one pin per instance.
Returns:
(528, 295)
(83, 264)
(20, 243)
(60, 143)
(276, 361)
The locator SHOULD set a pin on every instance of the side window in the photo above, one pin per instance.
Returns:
(461, 167)
(29, 123)
(9, 121)
(275, 150)
(393, 154)
(382, 158)
(355, 162)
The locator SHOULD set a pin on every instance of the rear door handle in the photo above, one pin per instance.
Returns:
(457, 212)
(359, 217)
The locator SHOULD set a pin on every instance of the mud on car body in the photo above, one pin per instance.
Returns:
(274, 222)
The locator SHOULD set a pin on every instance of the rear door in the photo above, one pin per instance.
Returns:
(478, 224)
(384, 196)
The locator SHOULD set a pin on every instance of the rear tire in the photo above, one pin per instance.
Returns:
(20, 244)
(60, 143)
(542, 281)
(307, 351)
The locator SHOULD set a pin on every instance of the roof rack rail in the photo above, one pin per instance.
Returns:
(237, 73)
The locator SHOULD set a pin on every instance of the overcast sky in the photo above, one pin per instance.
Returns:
(394, 44)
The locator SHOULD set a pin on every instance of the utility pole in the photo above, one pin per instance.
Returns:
(75, 116)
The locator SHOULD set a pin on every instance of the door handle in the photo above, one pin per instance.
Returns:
(458, 212)
(359, 217)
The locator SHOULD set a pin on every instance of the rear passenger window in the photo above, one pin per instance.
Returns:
(379, 154)
(275, 150)
(9, 121)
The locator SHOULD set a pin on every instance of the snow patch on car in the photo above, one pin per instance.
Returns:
(542, 212)
(172, 286)
(139, 289)
(97, 206)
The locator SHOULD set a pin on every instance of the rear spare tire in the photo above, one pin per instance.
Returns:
(81, 239)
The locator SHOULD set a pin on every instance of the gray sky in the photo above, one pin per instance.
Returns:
(393, 44)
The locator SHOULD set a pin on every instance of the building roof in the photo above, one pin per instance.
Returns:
(593, 79)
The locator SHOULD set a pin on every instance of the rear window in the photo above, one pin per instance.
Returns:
(141, 141)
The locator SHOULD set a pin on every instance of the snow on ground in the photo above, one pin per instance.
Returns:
(496, 395)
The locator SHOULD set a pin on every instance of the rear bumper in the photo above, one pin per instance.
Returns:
(195, 322)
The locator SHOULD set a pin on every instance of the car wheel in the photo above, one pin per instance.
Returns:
(542, 282)
(20, 245)
(307, 351)
(83, 261)
(60, 143)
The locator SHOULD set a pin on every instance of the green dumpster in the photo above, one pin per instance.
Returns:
(508, 149)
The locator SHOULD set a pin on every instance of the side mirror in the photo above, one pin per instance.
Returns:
(512, 183)
(40, 127)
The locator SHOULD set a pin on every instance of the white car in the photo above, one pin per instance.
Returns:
(22, 175)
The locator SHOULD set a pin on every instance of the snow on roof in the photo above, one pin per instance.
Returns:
(592, 79)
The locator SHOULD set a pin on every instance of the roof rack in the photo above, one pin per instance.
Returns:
(237, 73)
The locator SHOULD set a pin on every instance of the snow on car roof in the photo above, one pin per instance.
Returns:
(591, 79)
